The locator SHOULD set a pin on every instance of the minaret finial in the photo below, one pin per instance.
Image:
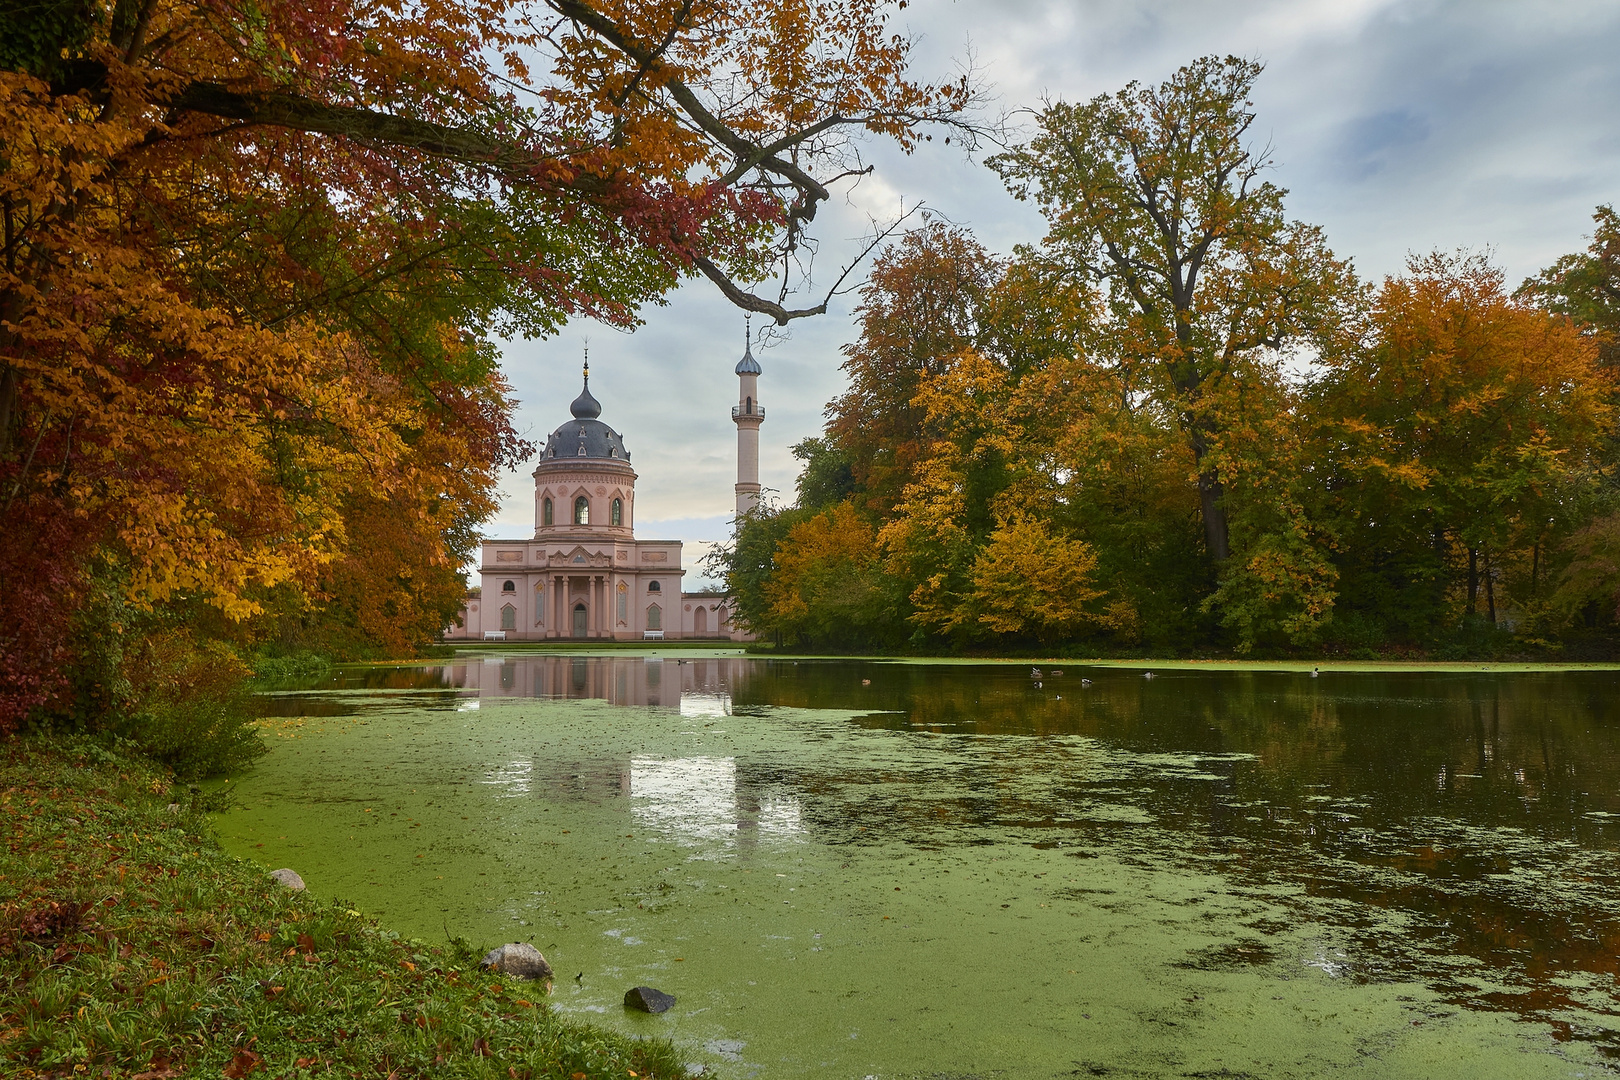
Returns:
(587, 360)
(748, 331)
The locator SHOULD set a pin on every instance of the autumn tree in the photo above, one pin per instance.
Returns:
(1586, 287)
(1156, 194)
(828, 585)
(919, 309)
(252, 257)
(1463, 427)
(1031, 583)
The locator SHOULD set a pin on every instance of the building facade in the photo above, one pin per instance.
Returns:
(583, 574)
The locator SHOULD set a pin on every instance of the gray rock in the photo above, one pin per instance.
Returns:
(517, 959)
(288, 878)
(647, 999)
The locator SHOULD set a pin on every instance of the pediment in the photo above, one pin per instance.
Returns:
(579, 555)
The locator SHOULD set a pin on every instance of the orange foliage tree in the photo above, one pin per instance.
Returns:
(1460, 432)
(252, 253)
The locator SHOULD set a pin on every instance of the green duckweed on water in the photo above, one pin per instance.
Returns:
(860, 869)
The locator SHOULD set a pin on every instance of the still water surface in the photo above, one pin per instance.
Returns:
(853, 869)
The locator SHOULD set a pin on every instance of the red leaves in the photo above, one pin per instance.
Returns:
(243, 1063)
(52, 918)
(161, 1067)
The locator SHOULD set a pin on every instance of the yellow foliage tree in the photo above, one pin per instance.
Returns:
(827, 587)
(1028, 582)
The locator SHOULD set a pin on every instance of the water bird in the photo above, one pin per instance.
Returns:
(1085, 682)
(1315, 672)
(1057, 671)
(1148, 675)
(1034, 672)
(580, 978)
(1037, 685)
(866, 682)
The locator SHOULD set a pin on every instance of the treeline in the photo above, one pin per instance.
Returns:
(1181, 424)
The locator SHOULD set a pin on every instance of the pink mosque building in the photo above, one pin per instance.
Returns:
(583, 574)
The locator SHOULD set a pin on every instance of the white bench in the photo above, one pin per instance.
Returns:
(652, 635)
(494, 635)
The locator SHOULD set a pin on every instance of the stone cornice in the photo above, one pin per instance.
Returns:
(594, 468)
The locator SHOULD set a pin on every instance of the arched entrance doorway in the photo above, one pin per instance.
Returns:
(579, 620)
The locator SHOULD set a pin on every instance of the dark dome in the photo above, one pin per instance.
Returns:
(585, 436)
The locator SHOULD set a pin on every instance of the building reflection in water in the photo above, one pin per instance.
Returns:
(699, 800)
(699, 687)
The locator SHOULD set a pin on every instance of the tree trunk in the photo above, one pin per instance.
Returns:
(1210, 493)
(8, 398)
(1535, 567)
(1210, 502)
(1490, 592)
(1473, 582)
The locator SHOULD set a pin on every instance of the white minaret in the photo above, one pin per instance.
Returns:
(747, 415)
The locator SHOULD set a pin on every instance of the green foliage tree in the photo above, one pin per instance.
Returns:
(826, 476)
(1155, 193)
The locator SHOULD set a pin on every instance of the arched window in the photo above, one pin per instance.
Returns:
(655, 617)
(508, 617)
(616, 515)
(546, 512)
(653, 586)
(582, 511)
(508, 586)
(750, 405)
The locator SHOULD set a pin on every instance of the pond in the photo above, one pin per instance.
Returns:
(866, 869)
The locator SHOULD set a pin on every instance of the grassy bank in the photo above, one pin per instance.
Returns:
(132, 946)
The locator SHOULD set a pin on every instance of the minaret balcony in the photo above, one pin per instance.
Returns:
(751, 410)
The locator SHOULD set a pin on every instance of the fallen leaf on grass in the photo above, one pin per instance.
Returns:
(161, 1067)
(245, 1062)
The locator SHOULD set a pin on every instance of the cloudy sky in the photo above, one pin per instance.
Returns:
(1399, 125)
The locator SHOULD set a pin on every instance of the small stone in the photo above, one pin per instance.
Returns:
(647, 999)
(517, 959)
(174, 808)
(288, 878)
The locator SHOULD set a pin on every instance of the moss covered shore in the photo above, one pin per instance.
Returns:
(132, 946)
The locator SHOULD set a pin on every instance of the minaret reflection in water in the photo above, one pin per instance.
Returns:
(693, 801)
